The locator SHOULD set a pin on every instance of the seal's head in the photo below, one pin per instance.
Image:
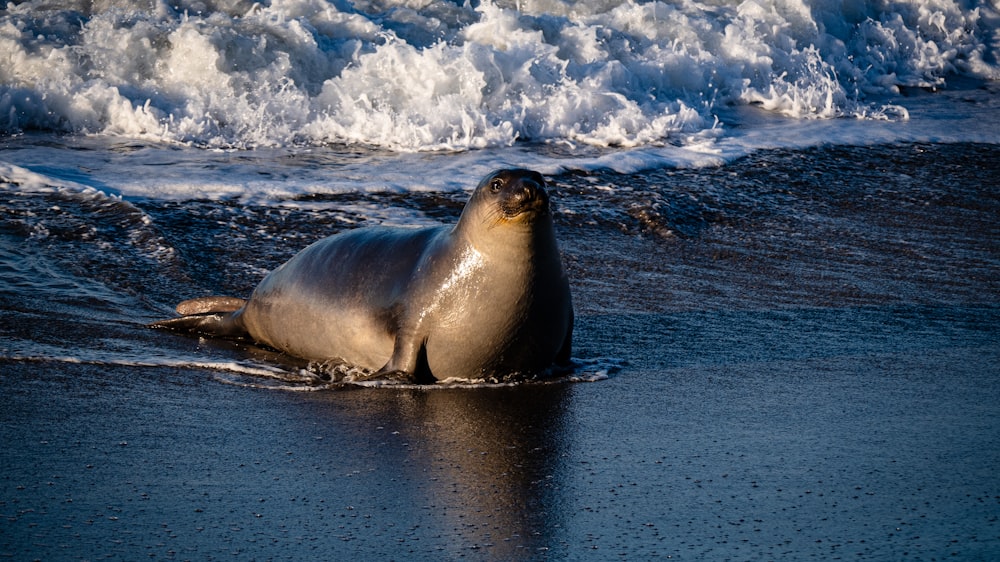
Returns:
(512, 196)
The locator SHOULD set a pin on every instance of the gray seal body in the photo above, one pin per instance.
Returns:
(485, 298)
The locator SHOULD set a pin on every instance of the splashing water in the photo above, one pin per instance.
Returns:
(438, 75)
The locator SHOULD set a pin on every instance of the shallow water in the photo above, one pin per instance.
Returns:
(801, 350)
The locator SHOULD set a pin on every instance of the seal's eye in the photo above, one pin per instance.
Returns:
(496, 185)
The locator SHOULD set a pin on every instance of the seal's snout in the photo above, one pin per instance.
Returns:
(527, 191)
(523, 193)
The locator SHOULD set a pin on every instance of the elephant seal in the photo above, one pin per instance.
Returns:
(486, 298)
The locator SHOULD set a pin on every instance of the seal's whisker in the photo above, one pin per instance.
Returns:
(494, 217)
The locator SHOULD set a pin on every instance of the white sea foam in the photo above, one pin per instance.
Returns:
(254, 374)
(435, 75)
(29, 181)
(231, 368)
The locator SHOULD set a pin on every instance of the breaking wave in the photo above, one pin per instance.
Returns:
(442, 75)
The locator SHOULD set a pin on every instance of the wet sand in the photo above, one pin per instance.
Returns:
(738, 453)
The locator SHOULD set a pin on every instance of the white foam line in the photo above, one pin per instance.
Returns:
(229, 366)
(591, 370)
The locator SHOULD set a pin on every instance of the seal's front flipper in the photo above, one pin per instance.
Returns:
(407, 364)
(218, 324)
(387, 375)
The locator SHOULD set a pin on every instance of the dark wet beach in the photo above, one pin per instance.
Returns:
(804, 348)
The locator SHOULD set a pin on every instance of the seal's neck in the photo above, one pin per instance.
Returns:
(509, 240)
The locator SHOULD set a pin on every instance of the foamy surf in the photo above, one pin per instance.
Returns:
(444, 76)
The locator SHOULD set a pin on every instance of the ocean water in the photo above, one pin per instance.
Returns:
(780, 222)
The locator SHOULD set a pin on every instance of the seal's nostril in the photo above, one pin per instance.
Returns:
(529, 190)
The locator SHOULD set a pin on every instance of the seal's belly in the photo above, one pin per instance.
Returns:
(321, 332)
(341, 335)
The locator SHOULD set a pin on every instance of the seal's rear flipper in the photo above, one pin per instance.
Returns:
(204, 305)
(219, 324)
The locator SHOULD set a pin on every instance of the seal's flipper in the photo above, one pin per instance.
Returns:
(407, 364)
(204, 305)
(219, 324)
(390, 376)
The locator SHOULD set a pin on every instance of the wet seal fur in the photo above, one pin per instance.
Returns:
(486, 298)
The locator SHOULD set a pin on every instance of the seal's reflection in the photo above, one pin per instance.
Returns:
(466, 468)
